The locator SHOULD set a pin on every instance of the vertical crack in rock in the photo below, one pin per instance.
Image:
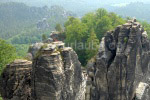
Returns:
(120, 71)
(121, 64)
(57, 74)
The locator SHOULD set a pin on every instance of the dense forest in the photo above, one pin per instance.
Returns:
(22, 25)
(82, 24)
(89, 31)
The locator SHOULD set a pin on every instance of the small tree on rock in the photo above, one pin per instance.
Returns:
(58, 28)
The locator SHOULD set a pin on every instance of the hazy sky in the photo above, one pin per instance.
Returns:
(86, 1)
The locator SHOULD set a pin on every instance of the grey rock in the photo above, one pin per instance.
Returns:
(57, 74)
(15, 81)
(143, 92)
(33, 49)
(57, 36)
(121, 64)
(42, 24)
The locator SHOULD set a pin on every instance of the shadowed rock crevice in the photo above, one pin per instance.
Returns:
(120, 71)
(121, 64)
(57, 74)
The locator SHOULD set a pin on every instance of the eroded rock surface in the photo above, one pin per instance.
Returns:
(15, 81)
(121, 64)
(120, 71)
(57, 74)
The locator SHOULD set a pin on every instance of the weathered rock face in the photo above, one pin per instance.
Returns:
(122, 63)
(57, 36)
(120, 71)
(33, 49)
(54, 75)
(15, 81)
(57, 74)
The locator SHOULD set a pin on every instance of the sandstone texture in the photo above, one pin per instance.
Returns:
(57, 74)
(121, 68)
(15, 81)
(120, 71)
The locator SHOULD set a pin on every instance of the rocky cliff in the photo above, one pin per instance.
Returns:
(57, 74)
(15, 81)
(54, 75)
(121, 69)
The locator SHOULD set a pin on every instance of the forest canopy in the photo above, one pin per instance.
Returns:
(85, 34)
(7, 54)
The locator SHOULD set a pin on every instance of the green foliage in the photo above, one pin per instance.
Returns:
(44, 37)
(58, 28)
(1, 98)
(20, 29)
(102, 26)
(14, 17)
(88, 19)
(90, 29)
(21, 49)
(7, 54)
(125, 39)
(146, 27)
(92, 44)
(76, 31)
(101, 13)
(39, 53)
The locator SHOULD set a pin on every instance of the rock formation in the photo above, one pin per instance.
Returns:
(15, 81)
(57, 36)
(121, 68)
(33, 49)
(43, 24)
(120, 71)
(55, 74)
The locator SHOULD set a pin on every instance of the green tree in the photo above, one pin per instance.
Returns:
(69, 21)
(89, 20)
(92, 44)
(58, 28)
(102, 26)
(76, 31)
(91, 28)
(7, 54)
(76, 37)
(146, 26)
(101, 12)
(116, 20)
(44, 37)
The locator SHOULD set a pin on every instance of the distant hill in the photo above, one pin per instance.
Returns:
(16, 17)
(137, 9)
(80, 7)
(22, 25)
